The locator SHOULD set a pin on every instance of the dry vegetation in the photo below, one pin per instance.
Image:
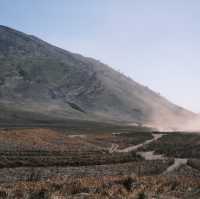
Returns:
(115, 187)
(60, 164)
(46, 147)
(122, 139)
(180, 145)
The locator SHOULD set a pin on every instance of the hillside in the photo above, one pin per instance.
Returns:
(44, 80)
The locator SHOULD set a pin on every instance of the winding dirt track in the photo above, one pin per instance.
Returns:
(177, 163)
(114, 147)
(149, 155)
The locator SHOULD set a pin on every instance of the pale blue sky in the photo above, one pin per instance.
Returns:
(156, 42)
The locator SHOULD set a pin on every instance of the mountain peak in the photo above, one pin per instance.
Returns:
(8, 29)
(4, 27)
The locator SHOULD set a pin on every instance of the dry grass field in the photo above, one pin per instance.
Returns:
(42, 163)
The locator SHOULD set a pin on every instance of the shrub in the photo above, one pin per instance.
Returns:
(141, 195)
(128, 183)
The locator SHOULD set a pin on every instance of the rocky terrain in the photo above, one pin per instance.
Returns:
(40, 83)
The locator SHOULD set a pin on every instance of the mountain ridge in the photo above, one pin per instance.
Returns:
(39, 77)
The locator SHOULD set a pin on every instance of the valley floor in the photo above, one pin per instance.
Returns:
(67, 163)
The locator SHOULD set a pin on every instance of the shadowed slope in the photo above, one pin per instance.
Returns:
(42, 78)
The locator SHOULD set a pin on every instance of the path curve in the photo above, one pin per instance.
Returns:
(135, 147)
(177, 163)
(149, 155)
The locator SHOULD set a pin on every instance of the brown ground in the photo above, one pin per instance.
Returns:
(39, 163)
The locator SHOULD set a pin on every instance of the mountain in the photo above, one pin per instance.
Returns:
(41, 79)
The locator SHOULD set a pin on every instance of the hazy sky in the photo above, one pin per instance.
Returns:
(156, 42)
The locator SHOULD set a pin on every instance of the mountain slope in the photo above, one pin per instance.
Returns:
(42, 78)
